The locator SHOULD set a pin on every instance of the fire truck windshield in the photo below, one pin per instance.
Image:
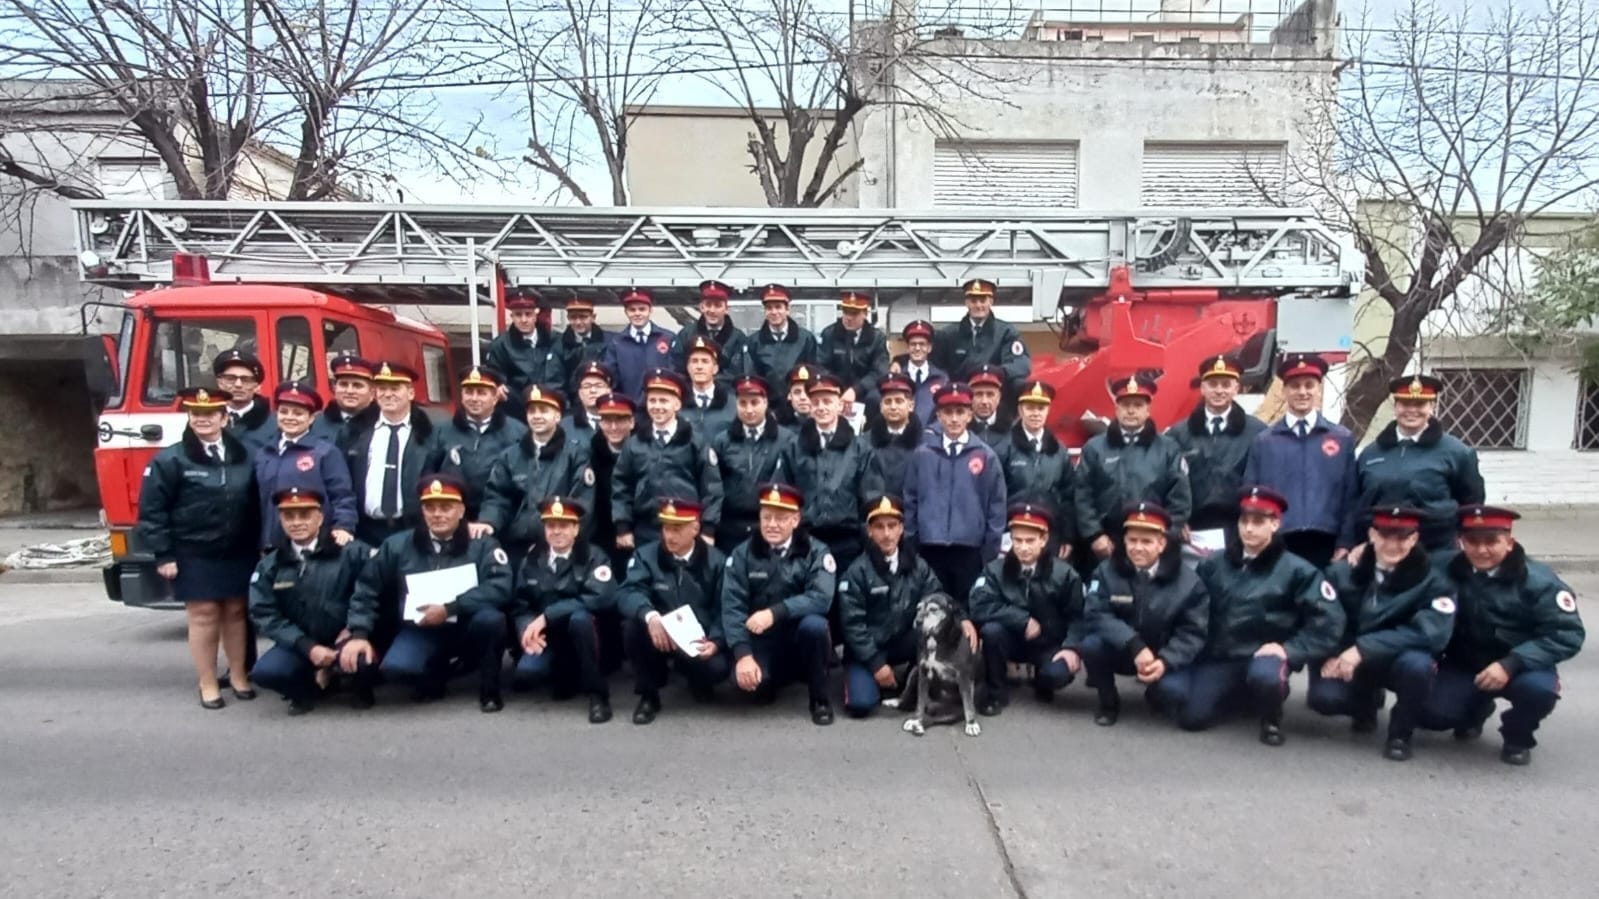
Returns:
(181, 351)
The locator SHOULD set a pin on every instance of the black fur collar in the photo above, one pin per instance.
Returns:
(1513, 570)
(668, 562)
(868, 334)
(1042, 569)
(541, 336)
(423, 539)
(1020, 441)
(600, 448)
(1429, 436)
(1166, 570)
(798, 547)
(879, 562)
(810, 438)
(727, 332)
(719, 397)
(551, 449)
(326, 546)
(260, 409)
(233, 450)
(1267, 558)
(1410, 572)
(1199, 421)
(735, 430)
(496, 419)
(360, 419)
(577, 558)
(571, 340)
(790, 335)
(877, 432)
(645, 432)
(1144, 438)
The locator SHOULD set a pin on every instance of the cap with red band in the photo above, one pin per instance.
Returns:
(1124, 388)
(987, 376)
(1416, 387)
(561, 508)
(524, 298)
(676, 510)
(198, 399)
(350, 367)
(895, 384)
(1300, 365)
(749, 385)
(298, 393)
(478, 376)
(443, 488)
(774, 293)
(703, 344)
(665, 381)
(854, 301)
(297, 498)
(635, 295)
(952, 394)
(541, 396)
(1147, 517)
(825, 383)
(394, 373)
(1028, 515)
(1219, 367)
(918, 328)
(1399, 518)
(579, 304)
(715, 290)
(1487, 518)
(595, 369)
(618, 405)
(781, 496)
(1263, 500)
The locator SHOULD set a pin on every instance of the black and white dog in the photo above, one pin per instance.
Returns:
(945, 666)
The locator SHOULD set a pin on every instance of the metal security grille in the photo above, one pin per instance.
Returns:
(1005, 173)
(1588, 415)
(1178, 174)
(1485, 407)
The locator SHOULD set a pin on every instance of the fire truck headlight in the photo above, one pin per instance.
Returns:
(88, 259)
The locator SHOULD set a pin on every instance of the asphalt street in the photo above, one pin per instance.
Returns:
(113, 782)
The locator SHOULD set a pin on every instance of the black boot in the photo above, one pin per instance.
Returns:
(599, 709)
(1109, 711)
(363, 698)
(300, 706)
(1515, 755)
(821, 712)
(1467, 734)
(489, 702)
(1271, 732)
(649, 705)
(1397, 750)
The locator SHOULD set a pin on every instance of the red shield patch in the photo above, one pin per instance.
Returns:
(1329, 447)
(662, 347)
(305, 463)
(975, 465)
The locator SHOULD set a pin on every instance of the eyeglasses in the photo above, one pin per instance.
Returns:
(236, 379)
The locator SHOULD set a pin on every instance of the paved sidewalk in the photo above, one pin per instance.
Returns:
(22, 531)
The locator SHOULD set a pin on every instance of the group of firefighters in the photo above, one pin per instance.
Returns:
(700, 502)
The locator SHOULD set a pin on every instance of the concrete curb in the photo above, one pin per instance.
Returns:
(52, 576)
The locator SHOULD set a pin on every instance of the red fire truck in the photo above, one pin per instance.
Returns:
(1151, 291)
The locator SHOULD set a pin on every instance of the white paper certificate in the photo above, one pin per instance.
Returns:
(436, 588)
(684, 629)
(1208, 542)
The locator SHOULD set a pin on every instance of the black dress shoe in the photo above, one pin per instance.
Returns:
(1467, 734)
(1044, 694)
(821, 712)
(300, 707)
(1271, 733)
(1515, 755)
(1107, 714)
(212, 704)
(990, 707)
(363, 698)
(649, 705)
(1397, 750)
(489, 703)
(599, 709)
(244, 695)
(1363, 725)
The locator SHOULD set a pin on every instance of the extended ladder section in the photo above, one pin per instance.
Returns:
(393, 253)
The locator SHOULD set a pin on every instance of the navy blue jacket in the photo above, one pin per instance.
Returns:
(570, 354)
(924, 391)
(523, 360)
(1316, 474)
(955, 502)
(307, 462)
(630, 360)
(256, 428)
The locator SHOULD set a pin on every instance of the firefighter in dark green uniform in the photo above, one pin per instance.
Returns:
(1399, 613)
(582, 344)
(776, 593)
(1413, 463)
(780, 345)
(522, 352)
(562, 591)
(854, 350)
(1516, 620)
(877, 599)
(1215, 441)
(300, 600)
(714, 324)
(749, 453)
(829, 466)
(418, 637)
(1148, 615)
(474, 438)
(1271, 613)
(1037, 468)
(979, 339)
(664, 457)
(546, 462)
(893, 434)
(679, 576)
(1028, 607)
(990, 423)
(1130, 463)
(239, 375)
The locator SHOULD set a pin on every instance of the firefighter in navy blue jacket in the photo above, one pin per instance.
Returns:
(892, 436)
(854, 350)
(295, 456)
(1148, 614)
(1414, 463)
(749, 453)
(954, 496)
(466, 448)
(1215, 441)
(1037, 468)
(352, 396)
(641, 347)
(564, 588)
(544, 463)
(418, 637)
(300, 600)
(522, 352)
(708, 403)
(1028, 607)
(780, 345)
(582, 420)
(776, 594)
(679, 575)
(238, 376)
(877, 598)
(990, 422)
(1516, 620)
(713, 324)
(1271, 613)
(1399, 614)
(664, 457)
(1130, 463)
(582, 343)
(1310, 460)
(916, 366)
(980, 339)
(829, 466)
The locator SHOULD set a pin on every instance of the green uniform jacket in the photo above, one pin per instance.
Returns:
(800, 582)
(859, 363)
(771, 360)
(301, 603)
(959, 350)
(744, 464)
(523, 478)
(1216, 461)
(1276, 597)
(379, 597)
(889, 455)
(1045, 477)
(582, 580)
(1112, 473)
(657, 582)
(876, 608)
(832, 477)
(523, 360)
(1169, 614)
(463, 452)
(684, 467)
(1413, 608)
(1436, 474)
(1522, 615)
(191, 504)
(1054, 596)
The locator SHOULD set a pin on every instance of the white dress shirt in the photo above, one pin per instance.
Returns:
(377, 456)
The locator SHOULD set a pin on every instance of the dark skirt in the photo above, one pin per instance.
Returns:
(202, 578)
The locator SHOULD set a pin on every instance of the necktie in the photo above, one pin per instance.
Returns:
(1215, 424)
(1038, 445)
(660, 437)
(438, 547)
(752, 433)
(779, 335)
(391, 475)
(893, 565)
(638, 336)
(705, 401)
(826, 437)
(954, 450)
(233, 419)
(1027, 573)
(283, 446)
(1301, 428)
(920, 375)
(554, 560)
(215, 452)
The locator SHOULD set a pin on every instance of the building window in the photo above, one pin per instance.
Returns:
(1200, 174)
(1588, 415)
(1485, 407)
(1005, 173)
(134, 179)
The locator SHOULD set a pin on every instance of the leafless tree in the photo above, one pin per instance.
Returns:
(1448, 134)
(332, 92)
